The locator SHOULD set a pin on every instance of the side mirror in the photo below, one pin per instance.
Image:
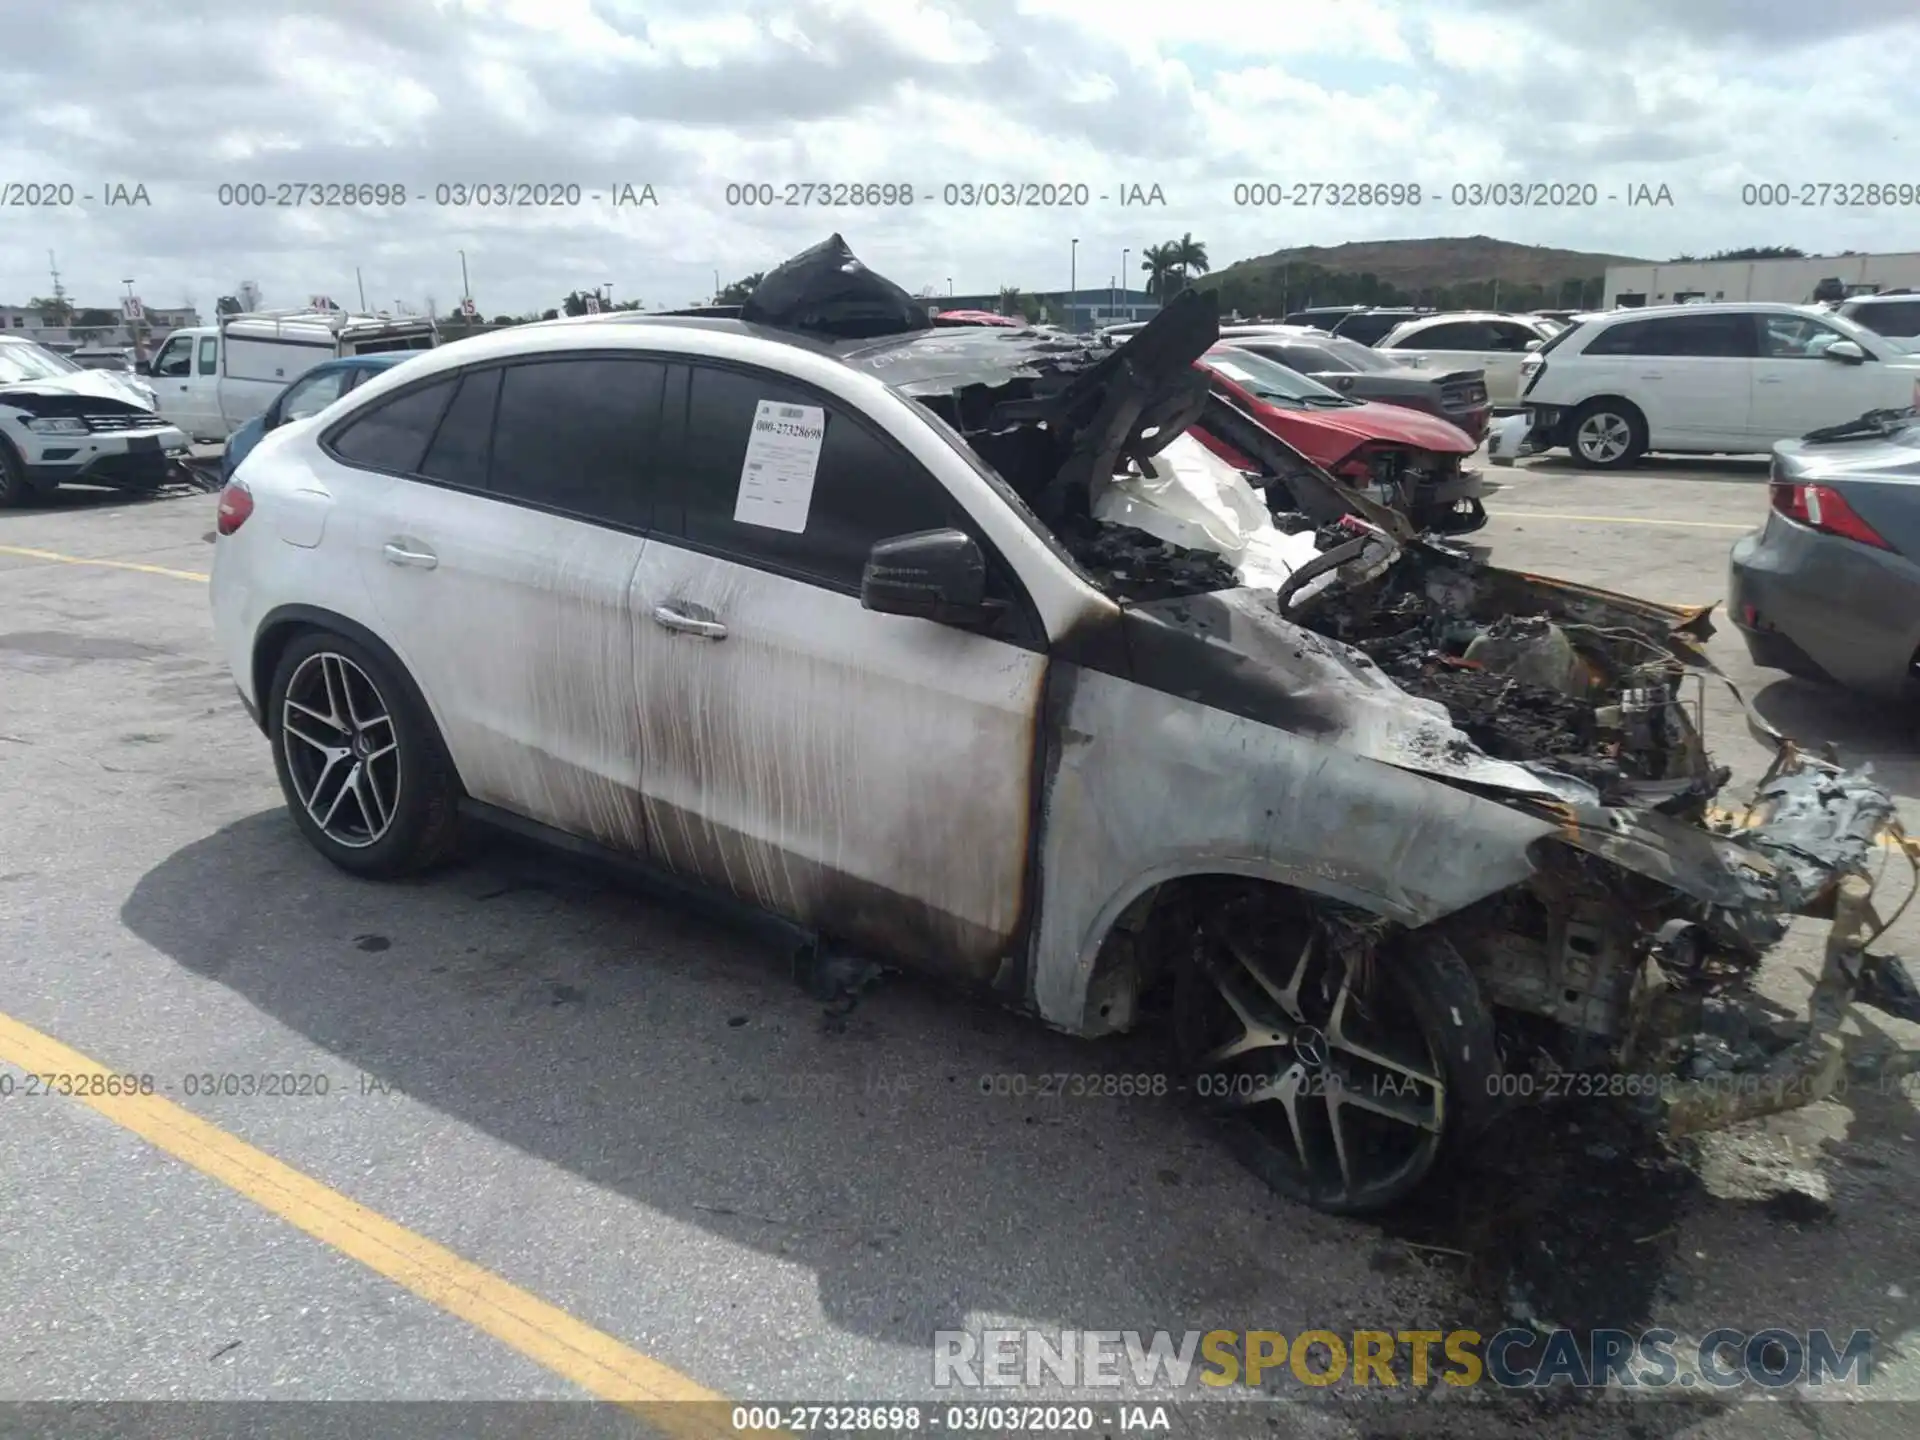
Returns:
(1534, 344)
(1846, 351)
(143, 367)
(937, 575)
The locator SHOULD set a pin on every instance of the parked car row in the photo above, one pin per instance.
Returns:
(1731, 379)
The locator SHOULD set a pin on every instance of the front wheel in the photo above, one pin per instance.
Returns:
(360, 762)
(1607, 435)
(14, 489)
(1344, 1073)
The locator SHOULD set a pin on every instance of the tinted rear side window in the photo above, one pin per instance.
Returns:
(394, 434)
(581, 436)
(460, 448)
(1365, 328)
(865, 488)
(1456, 335)
(1721, 336)
(1901, 318)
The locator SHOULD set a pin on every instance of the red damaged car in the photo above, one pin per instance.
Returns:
(1406, 458)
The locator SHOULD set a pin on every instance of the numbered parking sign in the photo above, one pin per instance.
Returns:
(132, 308)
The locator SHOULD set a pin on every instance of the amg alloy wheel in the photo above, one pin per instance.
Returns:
(1344, 1071)
(343, 757)
(360, 762)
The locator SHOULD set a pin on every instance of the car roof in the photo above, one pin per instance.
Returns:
(1714, 307)
(1894, 297)
(1450, 316)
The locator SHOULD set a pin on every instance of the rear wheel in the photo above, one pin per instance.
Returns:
(362, 767)
(1607, 435)
(1344, 1072)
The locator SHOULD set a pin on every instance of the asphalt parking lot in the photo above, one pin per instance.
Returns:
(533, 1137)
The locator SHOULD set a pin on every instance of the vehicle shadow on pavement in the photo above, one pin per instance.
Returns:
(901, 1152)
(1875, 732)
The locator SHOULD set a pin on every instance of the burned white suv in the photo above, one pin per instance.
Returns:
(953, 650)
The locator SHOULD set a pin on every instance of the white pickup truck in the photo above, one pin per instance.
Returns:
(211, 379)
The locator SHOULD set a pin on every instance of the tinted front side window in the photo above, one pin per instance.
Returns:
(394, 435)
(312, 395)
(864, 487)
(581, 436)
(176, 358)
(1794, 337)
(1723, 336)
(1510, 336)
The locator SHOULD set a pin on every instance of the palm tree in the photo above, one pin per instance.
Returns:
(1011, 302)
(1160, 262)
(1190, 256)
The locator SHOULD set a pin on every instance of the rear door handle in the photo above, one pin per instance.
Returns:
(1654, 375)
(668, 618)
(1768, 380)
(399, 553)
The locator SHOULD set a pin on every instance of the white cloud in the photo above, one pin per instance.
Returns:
(689, 95)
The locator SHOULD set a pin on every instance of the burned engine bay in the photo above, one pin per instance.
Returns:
(1640, 931)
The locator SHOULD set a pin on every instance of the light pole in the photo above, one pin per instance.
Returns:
(1124, 276)
(949, 287)
(466, 290)
(1110, 319)
(1073, 285)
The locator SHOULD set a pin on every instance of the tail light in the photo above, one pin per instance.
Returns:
(236, 504)
(1823, 508)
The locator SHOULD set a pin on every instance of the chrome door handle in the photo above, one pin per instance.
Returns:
(398, 554)
(1768, 380)
(668, 618)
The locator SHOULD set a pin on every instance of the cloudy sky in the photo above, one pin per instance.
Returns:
(183, 97)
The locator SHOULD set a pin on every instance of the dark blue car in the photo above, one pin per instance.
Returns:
(308, 395)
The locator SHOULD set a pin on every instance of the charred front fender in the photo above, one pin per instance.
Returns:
(1143, 785)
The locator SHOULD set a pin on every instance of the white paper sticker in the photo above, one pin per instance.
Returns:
(783, 455)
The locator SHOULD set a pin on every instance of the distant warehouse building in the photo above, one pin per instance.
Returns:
(1088, 308)
(1794, 282)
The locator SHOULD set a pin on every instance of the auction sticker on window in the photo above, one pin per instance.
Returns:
(783, 455)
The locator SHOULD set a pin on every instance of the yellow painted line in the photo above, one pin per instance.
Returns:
(56, 557)
(1615, 519)
(570, 1348)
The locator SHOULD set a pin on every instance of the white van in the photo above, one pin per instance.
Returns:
(211, 379)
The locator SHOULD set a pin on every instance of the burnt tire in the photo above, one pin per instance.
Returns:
(361, 763)
(1607, 435)
(1346, 1115)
